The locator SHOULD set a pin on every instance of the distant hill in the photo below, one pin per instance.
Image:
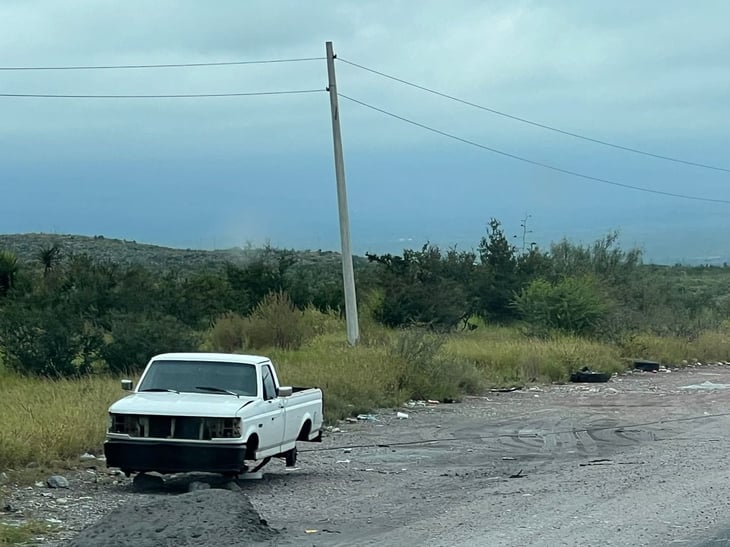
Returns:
(27, 246)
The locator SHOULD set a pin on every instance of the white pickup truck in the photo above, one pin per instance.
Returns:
(214, 412)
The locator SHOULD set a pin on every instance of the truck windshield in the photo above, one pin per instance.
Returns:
(184, 376)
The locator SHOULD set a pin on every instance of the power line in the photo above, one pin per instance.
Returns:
(168, 65)
(172, 96)
(531, 162)
(537, 124)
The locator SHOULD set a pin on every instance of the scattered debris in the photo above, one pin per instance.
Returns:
(646, 366)
(599, 461)
(347, 450)
(342, 461)
(706, 385)
(351, 420)
(401, 415)
(432, 402)
(518, 475)
(310, 531)
(86, 457)
(57, 481)
(504, 389)
(367, 417)
(586, 375)
(508, 458)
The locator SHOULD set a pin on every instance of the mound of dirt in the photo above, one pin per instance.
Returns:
(203, 517)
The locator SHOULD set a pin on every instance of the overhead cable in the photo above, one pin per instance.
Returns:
(537, 124)
(530, 161)
(162, 96)
(165, 65)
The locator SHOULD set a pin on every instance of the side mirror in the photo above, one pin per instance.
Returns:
(285, 391)
(127, 385)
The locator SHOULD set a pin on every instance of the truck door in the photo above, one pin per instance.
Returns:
(271, 422)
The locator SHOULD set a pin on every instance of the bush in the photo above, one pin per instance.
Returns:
(276, 323)
(426, 373)
(228, 333)
(571, 305)
(135, 339)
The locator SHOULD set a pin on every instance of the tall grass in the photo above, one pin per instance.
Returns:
(45, 420)
(708, 346)
(504, 357)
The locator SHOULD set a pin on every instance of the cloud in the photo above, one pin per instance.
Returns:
(643, 73)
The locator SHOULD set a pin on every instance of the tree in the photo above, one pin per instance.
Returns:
(497, 278)
(264, 275)
(8, 271)
(424, 288)
(134, 338)
(49, 257)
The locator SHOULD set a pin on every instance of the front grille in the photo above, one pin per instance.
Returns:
(175, 427)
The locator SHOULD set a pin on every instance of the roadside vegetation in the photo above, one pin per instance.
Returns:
(434, 325)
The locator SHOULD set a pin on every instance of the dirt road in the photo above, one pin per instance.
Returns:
(638, 461)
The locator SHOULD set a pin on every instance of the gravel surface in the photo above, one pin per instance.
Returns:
(639, 460)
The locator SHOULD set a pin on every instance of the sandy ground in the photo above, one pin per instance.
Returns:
(640, 460)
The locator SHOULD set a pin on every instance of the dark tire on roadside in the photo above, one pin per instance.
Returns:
(290, 457)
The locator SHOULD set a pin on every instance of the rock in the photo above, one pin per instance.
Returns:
(144, 482)
(232, 486)
(197, 485)
(85, 457)
(57, 481)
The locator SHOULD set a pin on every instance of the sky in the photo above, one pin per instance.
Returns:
(233, 171)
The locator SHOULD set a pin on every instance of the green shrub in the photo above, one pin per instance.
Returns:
(228, 334)
(133, 339)
(426, 372)
(276, 323)
(571, 305)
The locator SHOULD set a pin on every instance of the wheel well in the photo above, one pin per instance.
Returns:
(304, 433)
(252, 445)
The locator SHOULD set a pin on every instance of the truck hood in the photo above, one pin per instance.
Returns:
(181, 404)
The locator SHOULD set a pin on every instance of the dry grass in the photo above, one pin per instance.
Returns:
(709, 346)
(46, 420)
(506, 358)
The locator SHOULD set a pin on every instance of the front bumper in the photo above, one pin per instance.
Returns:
(174, 457)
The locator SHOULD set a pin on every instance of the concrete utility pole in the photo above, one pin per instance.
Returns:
(348, 274)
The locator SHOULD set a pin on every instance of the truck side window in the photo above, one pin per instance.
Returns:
(269, 387)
